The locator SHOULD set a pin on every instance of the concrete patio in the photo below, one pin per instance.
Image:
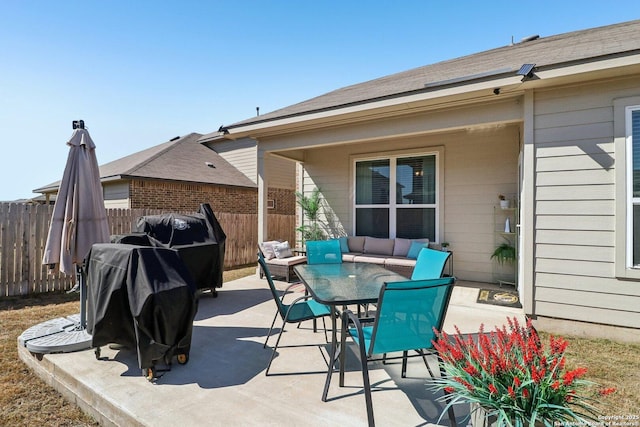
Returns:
(224, 382)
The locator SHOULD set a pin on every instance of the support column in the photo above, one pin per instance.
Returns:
(526, 256)
(262, 196)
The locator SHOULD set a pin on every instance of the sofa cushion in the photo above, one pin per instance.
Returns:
(371, 259)
(344, 244)
(378, 246)
(415, 249)
(293, 260)
(356, 243)
(282, 250)
(267, 249)
(350, 256)
(404, 262)
(401, 247)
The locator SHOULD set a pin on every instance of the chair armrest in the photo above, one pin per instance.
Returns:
(291, 286)
(349, 316)
(286, 292)
(302, 298)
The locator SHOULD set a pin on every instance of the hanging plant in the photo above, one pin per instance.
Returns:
(505, 253)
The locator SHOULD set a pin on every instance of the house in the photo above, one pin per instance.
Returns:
(179, 175)
(549, 122)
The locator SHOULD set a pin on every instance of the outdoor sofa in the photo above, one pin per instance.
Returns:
(280, 259)
(398, 255)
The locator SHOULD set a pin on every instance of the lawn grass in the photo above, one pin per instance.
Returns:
(25, 400)
(609, 364)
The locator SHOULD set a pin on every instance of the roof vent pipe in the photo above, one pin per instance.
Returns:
(530, 38)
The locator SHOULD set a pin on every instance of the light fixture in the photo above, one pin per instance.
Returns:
(526, 71)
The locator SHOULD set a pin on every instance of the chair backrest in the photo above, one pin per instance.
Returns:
(323, 251)
(430, 264)
(407, 313)
(272, 286)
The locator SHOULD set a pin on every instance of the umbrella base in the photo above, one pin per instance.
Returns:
(61, 335)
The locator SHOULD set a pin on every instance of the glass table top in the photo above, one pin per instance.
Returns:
(345, 283)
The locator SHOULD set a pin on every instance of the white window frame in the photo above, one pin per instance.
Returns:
(630, 201)
(622, 108)
(392, 206)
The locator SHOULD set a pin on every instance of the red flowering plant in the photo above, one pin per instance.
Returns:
(513, 377)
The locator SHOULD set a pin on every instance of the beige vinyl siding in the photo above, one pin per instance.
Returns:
(116, 195)
(241, 154)
(479, 165)
(282, 173)
(117, 204)
(329, 168)
(591, 314)
(575, 207)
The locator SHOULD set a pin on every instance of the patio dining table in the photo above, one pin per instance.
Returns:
(339, 285)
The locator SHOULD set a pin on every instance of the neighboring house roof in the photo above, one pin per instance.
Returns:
(546, 53)
(181, 159)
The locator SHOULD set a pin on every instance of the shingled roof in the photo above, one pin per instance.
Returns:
(546, 53)
(181, 159)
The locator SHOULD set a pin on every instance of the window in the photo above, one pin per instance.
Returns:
(632, 121)
(626, 134)
(397, 197)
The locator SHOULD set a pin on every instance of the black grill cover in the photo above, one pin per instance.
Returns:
(140, 297)
(198, 238)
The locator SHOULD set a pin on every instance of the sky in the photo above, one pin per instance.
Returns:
(142, 72)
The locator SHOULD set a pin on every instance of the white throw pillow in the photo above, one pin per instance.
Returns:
(267, 249)
(282, 250)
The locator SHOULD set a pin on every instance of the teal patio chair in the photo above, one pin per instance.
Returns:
(323, 251)
(328, 252)
(301, 309)
(430, 264)
(405, 319)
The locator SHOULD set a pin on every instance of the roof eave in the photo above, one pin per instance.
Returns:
(212, 137)
(441, 95)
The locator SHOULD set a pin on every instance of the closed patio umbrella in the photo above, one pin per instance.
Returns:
(79, 220)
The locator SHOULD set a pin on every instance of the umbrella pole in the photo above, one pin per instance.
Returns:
(61, 335)
(80, 279)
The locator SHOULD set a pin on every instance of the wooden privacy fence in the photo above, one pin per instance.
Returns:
(24, 229)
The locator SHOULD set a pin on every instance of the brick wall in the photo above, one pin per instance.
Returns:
(179, 196)
(285, 201)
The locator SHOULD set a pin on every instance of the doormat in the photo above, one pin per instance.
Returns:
(499, 297)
